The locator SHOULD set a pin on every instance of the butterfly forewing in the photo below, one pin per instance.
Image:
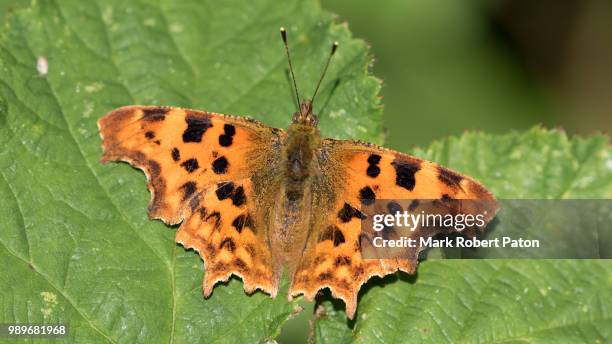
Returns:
(205, 170)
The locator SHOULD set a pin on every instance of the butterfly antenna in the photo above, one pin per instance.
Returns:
(333, 50)
(284, 37)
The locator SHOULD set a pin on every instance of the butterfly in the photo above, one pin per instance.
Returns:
(253, 200)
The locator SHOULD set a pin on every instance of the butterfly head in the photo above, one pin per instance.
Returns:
(305, 116)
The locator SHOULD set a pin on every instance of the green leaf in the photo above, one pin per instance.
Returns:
(76, 246)
(9, 6)
(494, 301)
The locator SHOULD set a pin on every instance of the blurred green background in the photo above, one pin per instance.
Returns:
(492, 65)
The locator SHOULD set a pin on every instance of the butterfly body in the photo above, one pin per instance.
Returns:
(300, 163)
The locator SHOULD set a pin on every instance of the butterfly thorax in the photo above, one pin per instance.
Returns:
(301, 142)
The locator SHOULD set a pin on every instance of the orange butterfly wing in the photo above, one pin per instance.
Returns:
(356, 171)
(203, 170)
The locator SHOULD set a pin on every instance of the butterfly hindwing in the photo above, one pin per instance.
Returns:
(227, 232)
(203, 170)
(359, 173)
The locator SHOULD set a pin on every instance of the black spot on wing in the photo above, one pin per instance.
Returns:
(226, 139)
(374, 159)
(449, 177)
(202, 211)
(219, 165)
(338, 237)
(150, 135)
(196, 127)
(229, 190)
(332, 233)
(358, 272)
(176, 154)
(394, 208)
(404, 173)
(224, 190)
(238, 198)
(327, 234)
(217, 216)
(373, 170)
(247, 221)
(414, 204)
(347, 213)
(154, 114)
(190, 165)
(325, 276)
(342, 260)
(250, 223)
(238, 222)
(229, 244)
(189, 189)
(240, 264)
(229, 129)
(367, 195)
(242, 221)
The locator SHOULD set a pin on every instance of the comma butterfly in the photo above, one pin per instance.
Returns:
(252, 199)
